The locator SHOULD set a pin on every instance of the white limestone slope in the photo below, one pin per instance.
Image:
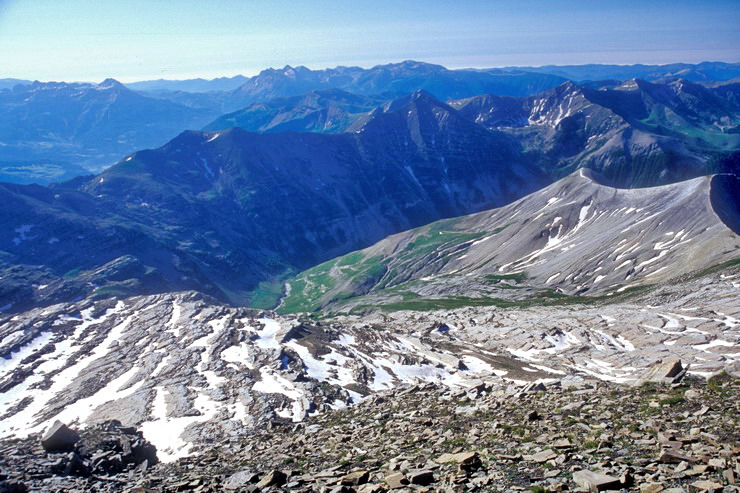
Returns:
(577, 235)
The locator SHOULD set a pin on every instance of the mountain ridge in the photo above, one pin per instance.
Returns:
(536, 248)
(218, 211)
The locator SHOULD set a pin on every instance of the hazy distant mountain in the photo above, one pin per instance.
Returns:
(395, 79)
(693, 72)
(389, 81)
(578, 236)
(189, 85)
(323, 110)
(220, 212)
(10, 83)
(638, 134)
(88, 125)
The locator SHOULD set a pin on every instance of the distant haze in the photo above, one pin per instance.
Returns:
(138, 40)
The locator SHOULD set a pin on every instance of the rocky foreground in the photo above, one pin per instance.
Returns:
(570, 435)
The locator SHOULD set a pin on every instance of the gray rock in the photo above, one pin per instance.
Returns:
(273, 478)
(59, 438)
(669, 371)
(424, 477)
(594, 480)
(356, 478)
(240, 479)
(672, 456)
(396, 481)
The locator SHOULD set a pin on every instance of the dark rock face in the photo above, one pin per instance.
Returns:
(59, 438)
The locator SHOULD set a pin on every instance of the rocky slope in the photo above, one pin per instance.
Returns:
(566, 436)
(221, 212)
(186, 370)
(575, 237)
(637, 134)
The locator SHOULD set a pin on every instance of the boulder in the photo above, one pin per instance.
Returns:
(424, 477)
(59, 438)
(371, 488)
(272, 478)
(705, 486)
(397, 480)
(240, 479)
(469, 461)
(670, 371)
(595, 481)
(356, 478)
(542, 456)
(651, 488)
(672, 456)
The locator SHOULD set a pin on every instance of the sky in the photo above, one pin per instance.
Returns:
(90, 40)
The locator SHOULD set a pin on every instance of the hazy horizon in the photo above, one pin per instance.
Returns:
(125, 80)
(138, 40)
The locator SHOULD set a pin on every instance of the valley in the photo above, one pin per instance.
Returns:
(403, 277)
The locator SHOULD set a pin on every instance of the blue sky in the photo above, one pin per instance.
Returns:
(135, 40)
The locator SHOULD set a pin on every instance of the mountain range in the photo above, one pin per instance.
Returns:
(220, 212)
(637, 134)
(447, 286)
(189, 85)
(704, 71)
(231, 212)
(321, 110)
(54, 130)
(86, 125)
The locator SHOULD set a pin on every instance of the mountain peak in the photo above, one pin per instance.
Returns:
(109, 83)
(418, 96)
(568, 87)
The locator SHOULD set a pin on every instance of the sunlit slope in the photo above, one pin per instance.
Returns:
(577, 237)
